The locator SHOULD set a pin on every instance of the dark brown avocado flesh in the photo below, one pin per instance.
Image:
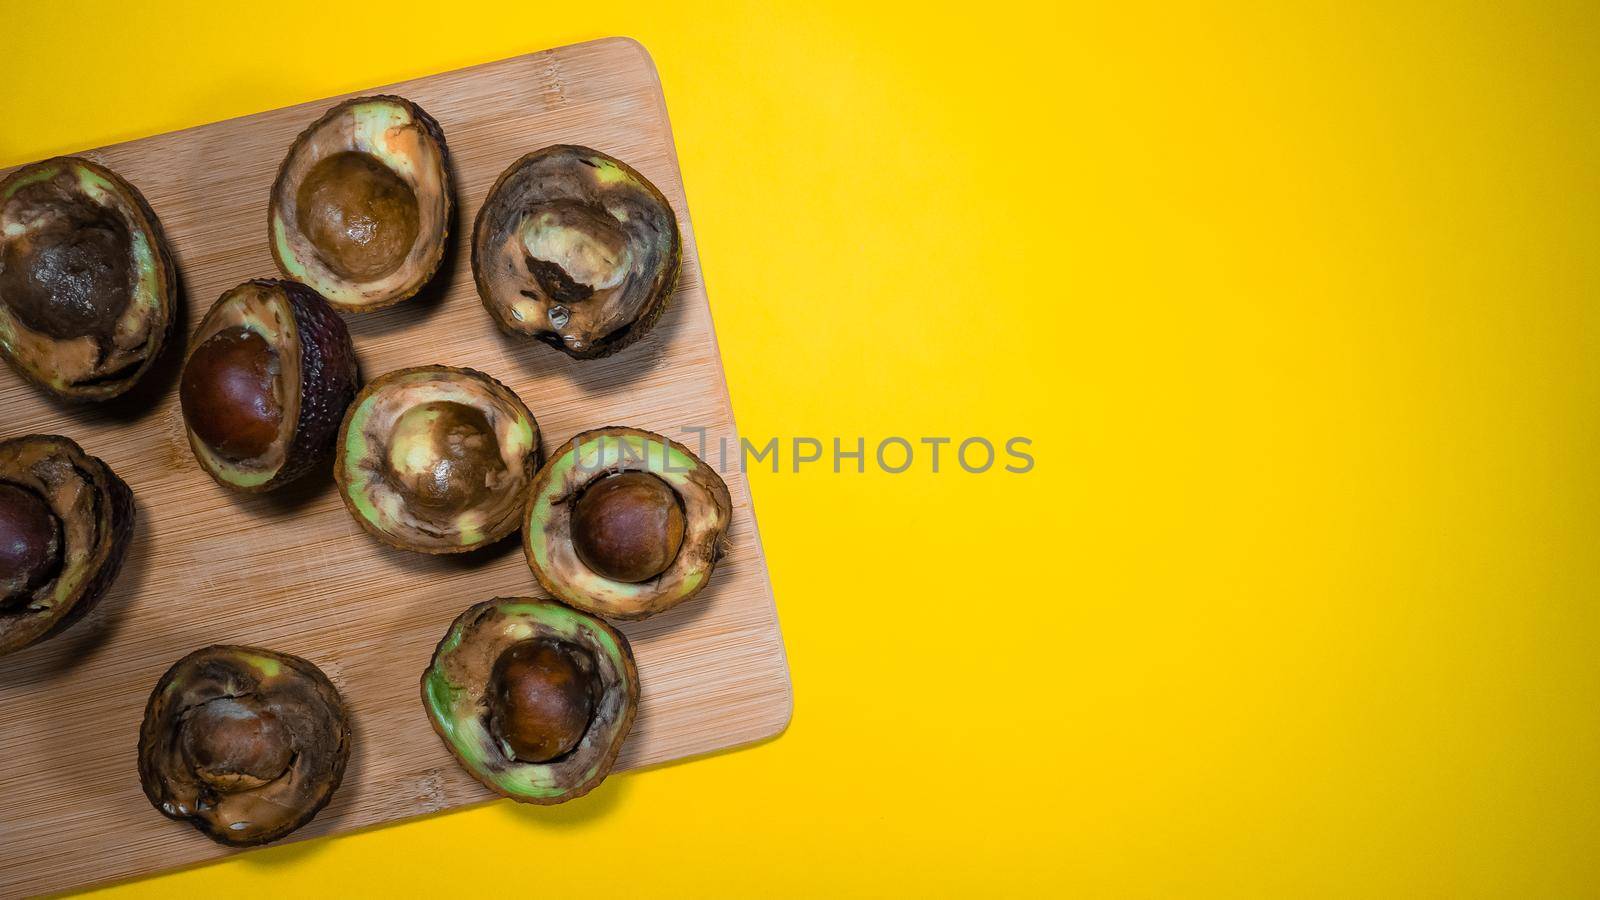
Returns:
(266, 384)
(437, 459)
(243, 743)
(65, 525)
(576, 249)
(625, 523)
(86, 283)
(361, 208)
(533, 698)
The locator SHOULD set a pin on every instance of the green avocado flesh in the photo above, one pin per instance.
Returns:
(547, 530)
(456, 689)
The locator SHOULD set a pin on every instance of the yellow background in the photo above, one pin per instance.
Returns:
(1298, 306)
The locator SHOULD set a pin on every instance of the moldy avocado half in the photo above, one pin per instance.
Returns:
(243, 743)
(576, 249)
(625, 523)
(266, 384)
(437, 459)
(87, 287)
(66, 521)
(361, 208)
(533, 698)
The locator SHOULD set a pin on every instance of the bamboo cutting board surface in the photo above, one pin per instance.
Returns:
(292, 571)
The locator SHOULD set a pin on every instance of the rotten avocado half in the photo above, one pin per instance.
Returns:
(437, 459)
(245, 744)
(576, 249)
(361, 208)
(533, 698)
(65, 525)
(266, 384)
(624, 523)
(87, 286)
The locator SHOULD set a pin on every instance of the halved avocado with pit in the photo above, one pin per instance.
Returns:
(361, 208)
(437, 459)
(266, 384)
(66, 521)
(243, 743)
(87, 287)
(533, 698)
(625, 523)
(576, 249)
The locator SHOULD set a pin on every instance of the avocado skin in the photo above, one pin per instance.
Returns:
(121, 515)
(328, 378)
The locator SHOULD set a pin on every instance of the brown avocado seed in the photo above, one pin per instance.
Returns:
(234, 744)
(541, 696)
(30, 543)
(229, 394)
(69, 276)
(628, 527)
(443, 455)
(360, 216)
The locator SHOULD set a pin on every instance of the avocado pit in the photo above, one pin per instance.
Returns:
(229, 394)
(30, 543)
(359, 216)
(542, 696)
(234, 744)
(443, 456)
(628, 526)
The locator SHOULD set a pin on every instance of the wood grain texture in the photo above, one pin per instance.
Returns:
(291, 571)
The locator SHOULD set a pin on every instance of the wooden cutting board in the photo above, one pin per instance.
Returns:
(291, 571)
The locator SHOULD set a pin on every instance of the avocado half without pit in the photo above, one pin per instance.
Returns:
(576, 249)
(244, 743)
(533, 698)
(361, 208)
(266, 384)
(65, 525)
(625, 523)
(437, 459)
(86, 284)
